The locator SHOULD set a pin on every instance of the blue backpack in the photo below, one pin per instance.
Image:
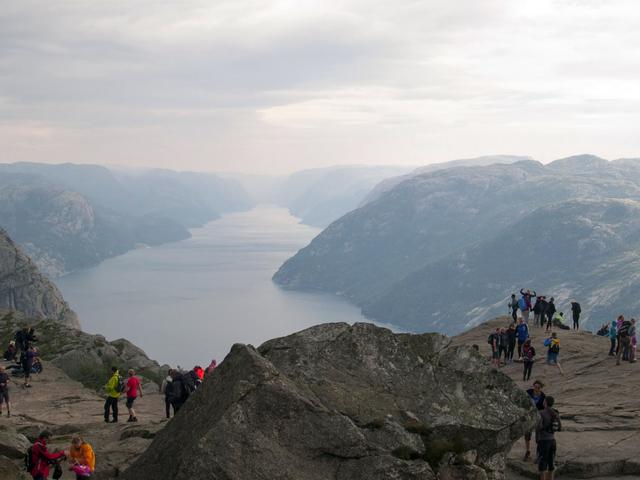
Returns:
(522, 304)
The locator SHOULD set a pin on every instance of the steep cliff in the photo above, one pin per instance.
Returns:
(25, 289)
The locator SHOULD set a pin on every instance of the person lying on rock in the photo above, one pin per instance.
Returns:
(83, 459)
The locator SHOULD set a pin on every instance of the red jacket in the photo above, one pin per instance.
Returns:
(40, 457)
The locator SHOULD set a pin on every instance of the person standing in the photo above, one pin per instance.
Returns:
(613, 337)
(504, 344)
(165, 389)
(83, 458)
(112, 389)
(553, 344)
(551, 310)
(528, 357)
(4, 390)
(525, 303)
(548, 423)
(41, 458)
(27, 358)
(634, 341)
(537, 397)
(624, 341)
(494, 341)
(511, 339)
(537, 308)
(576, 310)
(522, 332)
(513, 307)
(133, 389)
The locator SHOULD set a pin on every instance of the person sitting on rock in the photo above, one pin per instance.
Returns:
(548, 423)
(4, 390)
(133, 389)
(528, 357)
(83, 459)
(41, 459)
(558, 321)
(537, 397)
(11, 353)
(604, 330)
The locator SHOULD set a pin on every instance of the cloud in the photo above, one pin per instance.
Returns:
(277, 85)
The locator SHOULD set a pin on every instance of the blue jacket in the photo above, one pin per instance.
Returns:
(523, 332)
(613, 330)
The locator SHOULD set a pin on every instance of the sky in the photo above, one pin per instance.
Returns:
(276, 86)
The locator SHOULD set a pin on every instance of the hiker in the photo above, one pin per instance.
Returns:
(133, 389)
(39, 458)
(634, 341)
(522, 331)
(513, 307)
(576, 310)
(165, 389)
(504, 344)
(11, 353)
(558, 321)
(196, 375)
(553, 344)
(494, 341)
(537, 309)
(4, 390)
(179, 389)
(511, 339)
(528, 357)
(551, 311)
(604, 331)
(212, 366)
(525, 303)
(83, 459)
(27, 358)
(543, 310)
(613, 337)
(548, 423)
(537, 397)
(113, 388)
(624, 341)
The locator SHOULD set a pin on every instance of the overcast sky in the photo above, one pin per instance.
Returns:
(275, 86)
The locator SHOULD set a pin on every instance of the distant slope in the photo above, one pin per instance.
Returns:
(23, 288)
(389, 183)
(428, 253)
(70, 217)
(320, 196)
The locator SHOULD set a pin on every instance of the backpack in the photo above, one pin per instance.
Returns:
(490, 339)
(28, 459)
(188, 386)
(529, 353)
(555, 347)
(522, 303)
(121, 386)
(554, 425)
(623, 332)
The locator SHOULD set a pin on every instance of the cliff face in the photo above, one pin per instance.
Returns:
(25, 289)
(344, 402)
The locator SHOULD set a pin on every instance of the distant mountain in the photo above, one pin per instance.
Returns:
(320, 196)
(389, 183)
(444, 249)
(24, 289)
(69, 217)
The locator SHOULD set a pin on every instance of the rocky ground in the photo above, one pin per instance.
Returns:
(65, 407)
(598, 402)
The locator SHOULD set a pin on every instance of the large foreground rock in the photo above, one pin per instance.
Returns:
(343, 402)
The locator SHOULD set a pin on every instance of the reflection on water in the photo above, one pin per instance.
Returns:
(187, 302)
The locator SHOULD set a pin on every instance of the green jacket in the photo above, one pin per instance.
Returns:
(111, 386)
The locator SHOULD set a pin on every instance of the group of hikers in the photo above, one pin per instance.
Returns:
(544, 311)
(622, 335)
(39, 460)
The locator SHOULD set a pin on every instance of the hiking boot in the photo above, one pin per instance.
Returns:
(115, 420)
(135, 419)
(130, 419)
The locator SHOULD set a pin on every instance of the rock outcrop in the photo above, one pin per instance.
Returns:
(25, 289)
(344, 402)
